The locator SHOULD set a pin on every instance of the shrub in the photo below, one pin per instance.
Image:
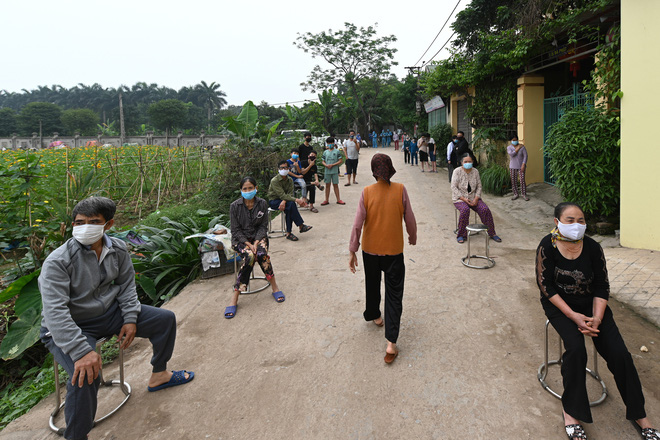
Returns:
(441, 134)
(495, 179)
(584, 150)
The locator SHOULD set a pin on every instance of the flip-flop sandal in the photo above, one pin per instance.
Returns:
(279, 296)
(230, 312)
(496, 239)
(292, 237)
(389, 357)
(341, 202)
(460, 240)
(347, 184)
(178, 378)
(382, 322)
(313, 209)
(355, 183)
(305, 228)
(325, 203)
(575, 431)
(646, 433)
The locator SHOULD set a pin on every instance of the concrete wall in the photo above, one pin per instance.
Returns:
(78, 141)
(640, 149)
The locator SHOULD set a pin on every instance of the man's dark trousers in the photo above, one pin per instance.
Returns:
(158, 325)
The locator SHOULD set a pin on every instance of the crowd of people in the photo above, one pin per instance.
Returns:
(88, 284)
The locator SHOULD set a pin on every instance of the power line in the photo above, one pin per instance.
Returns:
(443, 46)
(436, 37)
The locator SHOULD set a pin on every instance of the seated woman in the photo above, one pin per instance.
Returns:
(249, 238)
(466, 195)
(572, 276)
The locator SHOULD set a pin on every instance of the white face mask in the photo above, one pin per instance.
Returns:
(572, 231)
(88, 234)
(283, 172)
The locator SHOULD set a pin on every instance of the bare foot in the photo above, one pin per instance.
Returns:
(378, 321)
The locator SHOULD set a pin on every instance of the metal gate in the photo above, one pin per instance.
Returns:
(553, 110)
(463, 121)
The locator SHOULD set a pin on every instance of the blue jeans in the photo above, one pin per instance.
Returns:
(413, 157)
(291, 213)
(159, 325)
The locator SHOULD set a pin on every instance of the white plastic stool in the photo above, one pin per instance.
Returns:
(276, 233)
(475, 229)
(543, 370)
(125, 387)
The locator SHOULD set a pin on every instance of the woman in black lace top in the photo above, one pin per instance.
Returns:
(572, 276)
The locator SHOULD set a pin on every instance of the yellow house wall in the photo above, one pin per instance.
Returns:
(640, 146)
(530, 96)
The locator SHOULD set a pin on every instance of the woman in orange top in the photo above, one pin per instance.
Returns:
(382, 208)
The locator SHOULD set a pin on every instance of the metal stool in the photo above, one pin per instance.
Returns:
(125, 387)
(543, 370)
(474, 229)
(252, 277)
(276, 233)
(456, 218)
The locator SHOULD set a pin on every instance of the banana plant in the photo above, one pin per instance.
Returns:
(244, 126)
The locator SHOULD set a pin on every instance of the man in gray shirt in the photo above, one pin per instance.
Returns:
(351, 151)
(88, 292)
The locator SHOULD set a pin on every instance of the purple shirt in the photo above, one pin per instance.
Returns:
(517, 159)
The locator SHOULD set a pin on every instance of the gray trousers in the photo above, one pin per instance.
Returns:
(159, 325)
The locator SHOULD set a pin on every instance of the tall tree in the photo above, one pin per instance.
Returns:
(38, 115)
(168, 114)
(352, 54)
(83, 120)
(7, 121)
(214, 98)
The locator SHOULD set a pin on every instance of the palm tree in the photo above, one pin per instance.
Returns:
(214, 98)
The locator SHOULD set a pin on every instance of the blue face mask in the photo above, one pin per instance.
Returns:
(514, 142)
(331, 146)
(455, 141)
(249, 195)
(467, 165)
(294, 156)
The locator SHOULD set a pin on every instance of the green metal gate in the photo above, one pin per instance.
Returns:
(553, 110)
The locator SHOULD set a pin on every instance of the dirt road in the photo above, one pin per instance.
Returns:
(311, 368)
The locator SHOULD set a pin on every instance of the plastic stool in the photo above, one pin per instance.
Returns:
(474, 229)
(543, 370)
(252, 277)
(125, 387)
(276, 233)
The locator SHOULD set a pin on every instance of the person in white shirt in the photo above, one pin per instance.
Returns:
(395, 138)
(450, 151)
(432, 150)
(351, 151)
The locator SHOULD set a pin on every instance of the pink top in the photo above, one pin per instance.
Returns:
(361, 215)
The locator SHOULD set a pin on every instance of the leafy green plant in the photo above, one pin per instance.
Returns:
(584, 150)
(24, 332)
(495, 179)
(38, 383)
(441, 134)
(167, 262)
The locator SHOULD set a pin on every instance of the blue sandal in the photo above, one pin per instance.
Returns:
(178, 378)
(279, 296)
(460, 239)
(230, 312)
(496, 239)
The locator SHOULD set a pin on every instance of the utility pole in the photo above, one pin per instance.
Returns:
(122, 133)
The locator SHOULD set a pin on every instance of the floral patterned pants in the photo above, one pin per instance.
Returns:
(248, 258)
(514, 185)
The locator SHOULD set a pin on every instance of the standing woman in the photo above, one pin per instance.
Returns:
(249, 238)
(572, 276)
(382, 208)
(466, 195)
(517, 165)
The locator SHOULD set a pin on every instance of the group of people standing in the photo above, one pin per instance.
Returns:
(386, 137)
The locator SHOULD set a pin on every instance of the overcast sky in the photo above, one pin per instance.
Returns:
(245, 46)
